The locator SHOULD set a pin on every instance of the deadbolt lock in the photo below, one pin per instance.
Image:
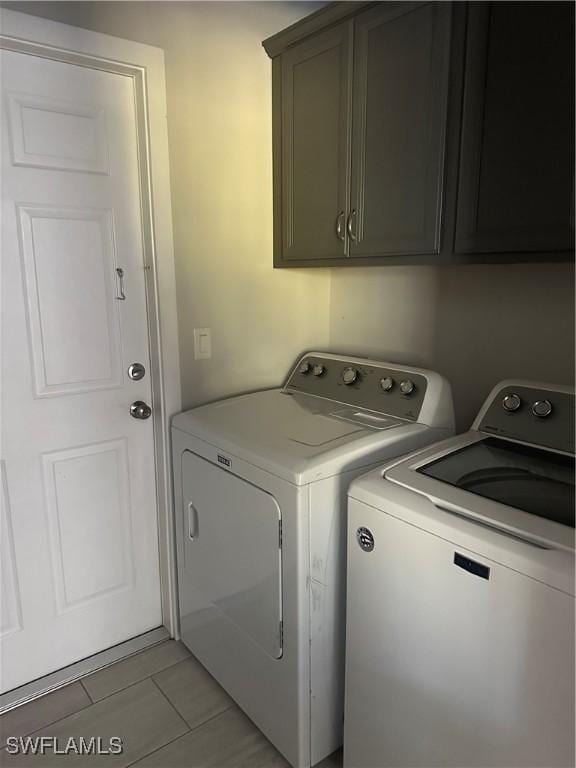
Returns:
(136, 371)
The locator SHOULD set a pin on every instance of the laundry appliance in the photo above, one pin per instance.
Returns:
(460, 595)
(260, 491)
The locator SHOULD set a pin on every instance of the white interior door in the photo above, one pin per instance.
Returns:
(79, 523)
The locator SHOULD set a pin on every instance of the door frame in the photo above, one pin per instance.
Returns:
(24, 33)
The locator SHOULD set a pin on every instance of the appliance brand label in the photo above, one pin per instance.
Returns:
(224, 460)
(365, 539)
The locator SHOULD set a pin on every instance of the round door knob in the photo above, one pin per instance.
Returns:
(542, 408)
(511, 402)
(386, 383)
(140, 410)
(304, 369)
(407, 387)
(318, 370)
(349, 376)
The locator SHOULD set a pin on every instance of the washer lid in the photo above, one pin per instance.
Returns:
(534, 480)
(291, 433)
(522, 490)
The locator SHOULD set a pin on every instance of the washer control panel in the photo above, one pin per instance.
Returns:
(533, 415)
(373, 386)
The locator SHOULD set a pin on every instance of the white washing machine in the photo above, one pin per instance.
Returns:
(260, 486)
(460, 614)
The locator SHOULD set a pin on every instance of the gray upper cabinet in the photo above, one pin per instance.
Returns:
(401, 61)
(517, 141)
(424, 132)
(315, 143)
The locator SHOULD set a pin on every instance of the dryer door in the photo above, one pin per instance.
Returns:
(232, 549)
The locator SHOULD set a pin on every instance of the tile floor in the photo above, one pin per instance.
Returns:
(169, 712)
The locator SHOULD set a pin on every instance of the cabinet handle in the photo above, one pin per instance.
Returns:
(351, 218)
(340, 226)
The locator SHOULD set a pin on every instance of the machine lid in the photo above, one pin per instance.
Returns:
(271, 417)
(534, 480)
(525, 491)
(292, 432)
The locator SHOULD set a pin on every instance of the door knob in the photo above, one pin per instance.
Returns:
(140, 410)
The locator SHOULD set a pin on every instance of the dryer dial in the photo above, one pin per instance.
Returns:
(349, 376)
(386, 383)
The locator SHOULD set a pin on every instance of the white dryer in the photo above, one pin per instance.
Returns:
(460, 615)
(260, 487)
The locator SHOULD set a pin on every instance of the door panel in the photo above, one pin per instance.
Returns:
(516, 180)
(53, 133)
(10, 605)
(232, 549)
(68, 262)
(400, 93)
(87, 498)
(79, 521)
(315, 140)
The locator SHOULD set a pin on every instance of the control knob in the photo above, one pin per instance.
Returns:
(542, 408)
(304, 369)
(511, 402)
(318, 370)
(386, 383)
(407, 387)
(349, 376)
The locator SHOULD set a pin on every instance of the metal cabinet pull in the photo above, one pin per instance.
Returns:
(351, 218)
(340, 226)
(121, 295)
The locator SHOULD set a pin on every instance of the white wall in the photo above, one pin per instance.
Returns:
(218, 80)
(475, 324)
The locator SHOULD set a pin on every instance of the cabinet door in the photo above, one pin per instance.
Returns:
(315, 144)
(400, 92)
(516, 161)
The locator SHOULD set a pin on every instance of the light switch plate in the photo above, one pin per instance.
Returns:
(202, 343)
